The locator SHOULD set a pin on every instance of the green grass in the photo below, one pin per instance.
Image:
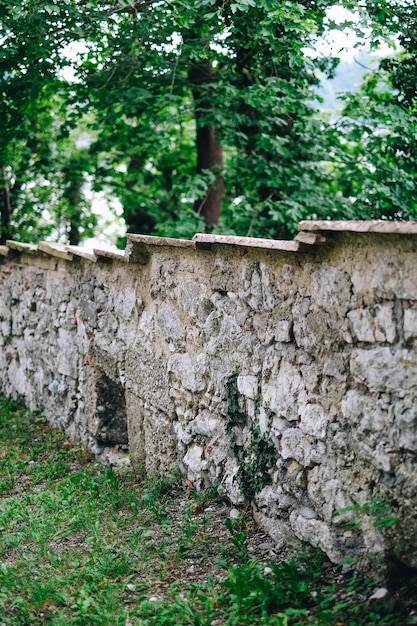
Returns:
(82, 543)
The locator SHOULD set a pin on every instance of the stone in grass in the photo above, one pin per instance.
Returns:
(383, 599)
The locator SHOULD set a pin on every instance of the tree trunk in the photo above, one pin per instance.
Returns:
(5, 209)
(209, 149)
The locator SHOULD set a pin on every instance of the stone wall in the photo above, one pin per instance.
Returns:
(284, 372)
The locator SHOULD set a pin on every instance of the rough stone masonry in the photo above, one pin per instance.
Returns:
(283, 372)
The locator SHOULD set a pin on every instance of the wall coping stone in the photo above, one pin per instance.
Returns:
(311, 239)
(28, 248)
(109, 255)
(82, 252)
(204, 241)
(139, 246)
(150, 240)
(55, 249)
(360, 226)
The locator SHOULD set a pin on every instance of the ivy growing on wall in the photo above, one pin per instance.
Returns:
(256, 460)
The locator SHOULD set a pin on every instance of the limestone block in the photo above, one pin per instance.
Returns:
(192, 298)
(385, 326)
(136, 436)
(374, 324)
(318, 331)
(161, 454)
(313, 420)
(327, 492)
(125, 302)
(317, 533)
(183, 433)
(248, 386)
(67, 357)
(263, 328)
(296, 445)
(336, 366)
(410, 324)
(362, 325)
(194, 462)
(283, 331)
(279, 530)
(391, 280)
(367, 416)
(146, 375)
(285, 392)
(205, 425)
(229, 485)
(187, 372)
(383, 370)
(169, 323)
(332, 290)
(148, 327)
(406, 422)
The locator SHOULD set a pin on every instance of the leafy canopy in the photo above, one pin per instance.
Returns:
(198, 115)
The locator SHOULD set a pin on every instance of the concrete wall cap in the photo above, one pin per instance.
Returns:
(109, 254)
(149, 240)
(360, 226)
(82, 252)
(55, 249)
(204, 241)
(22, 247)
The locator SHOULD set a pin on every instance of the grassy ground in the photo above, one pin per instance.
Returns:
(82, 543)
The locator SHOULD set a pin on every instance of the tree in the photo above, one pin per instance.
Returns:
(33, 105)
(200, 116)
(233, 78)
(374, 147)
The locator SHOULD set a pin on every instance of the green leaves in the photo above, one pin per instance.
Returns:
(152, 79)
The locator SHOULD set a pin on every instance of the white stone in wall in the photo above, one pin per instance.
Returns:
(296, 445)
(248, 386)
(382, 370)
(229, 485)
(313, 420)
(282, 331)
(168, 322)
(184, 370)
(332, 289)
(366, 416)
(410, 324)
(406, 421)
(193, 461)
(325, 492)
(317, 533)
(285, 392)
(362, 325)
(376, 324)
(385, 326)
(125, 302)
(67, 360)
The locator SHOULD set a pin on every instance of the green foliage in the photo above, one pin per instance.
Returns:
(257, 458)
(380, 510)
(375, 162)
(254, 472)
(238, 539)
(234, 416)
(195, 107)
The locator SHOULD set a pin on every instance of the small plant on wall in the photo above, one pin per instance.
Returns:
(258, 457)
